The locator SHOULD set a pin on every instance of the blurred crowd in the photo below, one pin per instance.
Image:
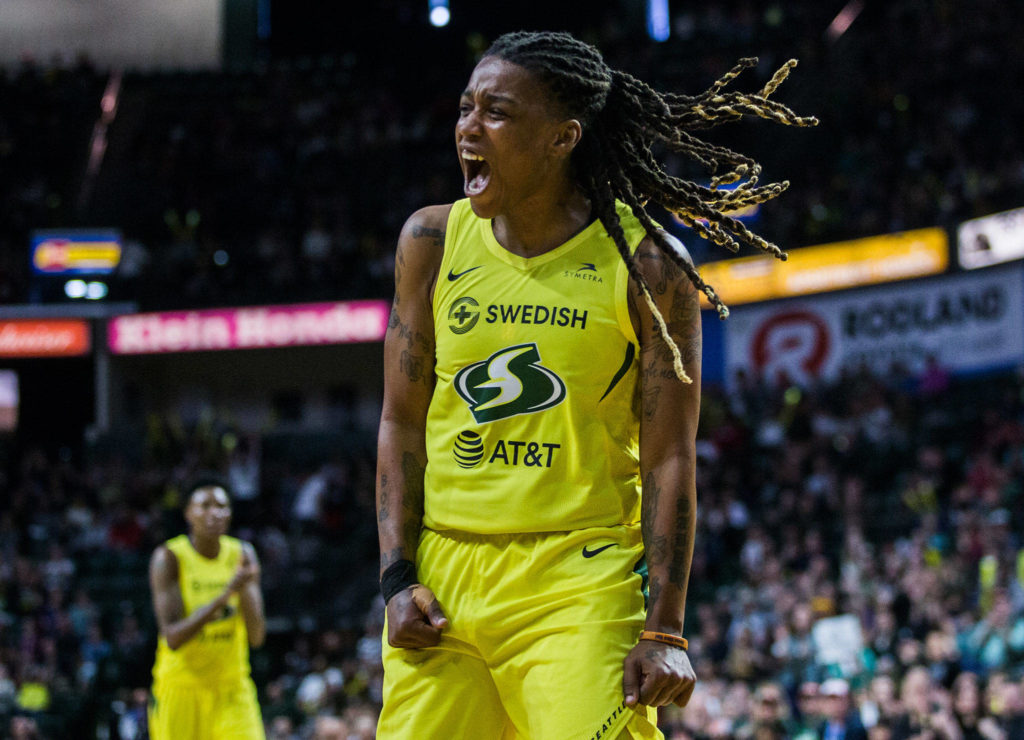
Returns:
(860, 571)
(290, 181)
(858, 562)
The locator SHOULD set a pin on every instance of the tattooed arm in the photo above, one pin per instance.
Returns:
(414, 616)
(655, 673)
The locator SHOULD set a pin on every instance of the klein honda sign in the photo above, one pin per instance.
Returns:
(249, 328)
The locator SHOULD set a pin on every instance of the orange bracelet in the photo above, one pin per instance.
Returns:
(675, 640)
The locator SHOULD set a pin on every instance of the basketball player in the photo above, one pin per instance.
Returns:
(209, 609)
(542, 369)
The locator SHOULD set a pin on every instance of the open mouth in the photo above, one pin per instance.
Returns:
(478, 173)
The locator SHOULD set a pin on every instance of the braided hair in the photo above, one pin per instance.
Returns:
(622, 117)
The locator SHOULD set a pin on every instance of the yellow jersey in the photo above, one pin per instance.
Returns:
(219, 654)
(533, 424)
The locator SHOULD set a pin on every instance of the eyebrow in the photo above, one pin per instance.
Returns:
(467, 93)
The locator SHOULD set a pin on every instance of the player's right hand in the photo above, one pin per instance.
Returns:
(415, 619)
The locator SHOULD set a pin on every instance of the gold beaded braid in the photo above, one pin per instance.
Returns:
(623, 118)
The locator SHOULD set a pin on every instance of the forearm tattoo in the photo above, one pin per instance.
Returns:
(391, 557)
(412, 502)
(655, 545)
(383, 499)
(674, 548)
(679, 568)
(410, 517)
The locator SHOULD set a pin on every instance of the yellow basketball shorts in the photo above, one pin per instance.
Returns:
(185, 712)
(539, 625)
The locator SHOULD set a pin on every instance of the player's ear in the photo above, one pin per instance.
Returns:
(567, 136)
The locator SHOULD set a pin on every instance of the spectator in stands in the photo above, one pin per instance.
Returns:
(997, 637)
(840, 723)
(24, 727)
(330, 728)
(34, 692)
(281, 727)
(924, 708)
(95, 651)
(769, 717)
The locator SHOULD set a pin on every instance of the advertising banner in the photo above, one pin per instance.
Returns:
(969, 322)
(44, 338)
(249, 328)
(992, 239)
(876, 259)
(75, 252)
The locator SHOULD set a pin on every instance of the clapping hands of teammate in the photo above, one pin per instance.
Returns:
(656, 675)
(248, 571)
(415, 619)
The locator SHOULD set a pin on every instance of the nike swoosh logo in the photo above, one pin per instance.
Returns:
(457, 275)
(591, 553)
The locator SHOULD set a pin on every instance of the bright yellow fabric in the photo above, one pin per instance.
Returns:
(216, 712)
(532, 426)
(35, 697)
(536, 639)
(219, 654)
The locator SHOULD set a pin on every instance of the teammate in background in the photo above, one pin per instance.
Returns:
(209, 609)
(541, 360)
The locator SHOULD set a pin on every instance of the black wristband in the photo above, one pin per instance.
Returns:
(396, 577)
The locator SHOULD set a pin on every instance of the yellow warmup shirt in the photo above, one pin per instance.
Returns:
(219, 654)
(532, 425)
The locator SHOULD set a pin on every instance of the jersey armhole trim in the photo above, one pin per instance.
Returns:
(451, 233)
(622, 299)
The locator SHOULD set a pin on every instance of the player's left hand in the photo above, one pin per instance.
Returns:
(656, 674)
(252, 564)
(245, 574)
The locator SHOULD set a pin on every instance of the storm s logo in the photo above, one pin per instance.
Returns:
(508, 383)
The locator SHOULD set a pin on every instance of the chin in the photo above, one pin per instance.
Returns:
(480, 210)
(483, 208)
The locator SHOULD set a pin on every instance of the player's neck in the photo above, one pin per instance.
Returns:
(543, 222)
(208, 547)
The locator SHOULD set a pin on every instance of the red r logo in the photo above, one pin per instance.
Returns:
(792, 346)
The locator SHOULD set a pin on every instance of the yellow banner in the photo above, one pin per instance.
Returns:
(60, 255)
(876, 259)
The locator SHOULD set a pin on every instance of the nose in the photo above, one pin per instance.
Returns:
(468, 126)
